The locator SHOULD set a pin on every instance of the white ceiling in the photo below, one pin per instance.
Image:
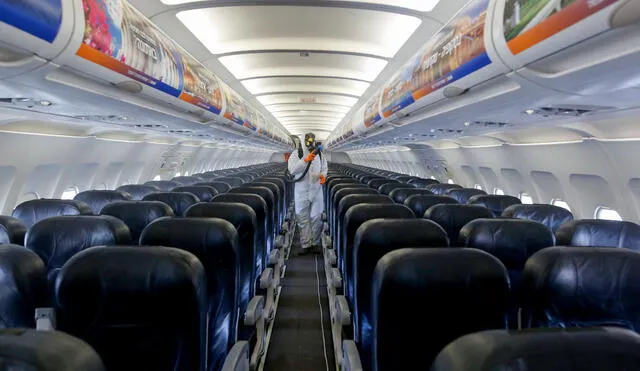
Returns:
(308, 62)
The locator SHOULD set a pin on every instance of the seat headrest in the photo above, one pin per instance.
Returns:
(358, 214)
(581, 286)
(179, 202)
(421, 203)
(341, 193)
(422, 183)
(399, 195)
(30, 212)
(442, 189)
(511, 241)
(221, 187)
(137, 214)
(257, 203)
(59, 238)
(455, 292)
(232, 181)
(163, 185)
(24, 349)
(453, 217)
(594, 232)
(387, 188)
(12, 230)
(204, 193)
(354, 199)
(187, 180)
(263, 192)
(550, 215)
(97, 199)
(377, 183)
(585, 349)
(237, 213)
(138, 191)
(496, 203)
(23, 279)
(463, 195)
(400, 233)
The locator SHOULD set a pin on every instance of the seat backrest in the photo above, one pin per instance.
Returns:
(597, 232)
(422, 183)
(463, 195)
(453, 217)
(204, 193)
(581, 287)
(266, 194)
(187, 180)
(550, 215)
(591, 349)
(32, 350)
(32, 211)
(353, 219)
(387, 188)
(376, 183)
(345, 204)
(496, 203)
(163, 185)
(453, 292)
(215, 243)
(419, 204)
(243, 219)
(399, 195)
(232, 181)
(442, 188)
(12, 230)
(23, 285)
(373, 239)
(338, 196)
(137, 214)
(97, 199)
(139, 308)
(138, 191)
(59, 238)
(221, 187)
(179, 202)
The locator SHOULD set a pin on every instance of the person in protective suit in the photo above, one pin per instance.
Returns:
(308, 192)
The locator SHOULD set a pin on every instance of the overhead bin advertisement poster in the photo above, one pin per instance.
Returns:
(40, 18)
(528, 22)
(237, 110)
(201, 87)
(372, 111)
(454, 52)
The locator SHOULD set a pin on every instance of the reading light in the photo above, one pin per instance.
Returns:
(467, 123)
(530, 111)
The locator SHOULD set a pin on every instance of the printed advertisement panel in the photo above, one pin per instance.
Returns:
(121, 39)
(372, 111)
(201, 87)
(40, 18)
(528, 22)
(454, 52)
(237, 110)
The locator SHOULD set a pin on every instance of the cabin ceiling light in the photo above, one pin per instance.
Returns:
(530, 111)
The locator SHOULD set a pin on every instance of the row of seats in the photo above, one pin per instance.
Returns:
(388, 248)
(145, 287)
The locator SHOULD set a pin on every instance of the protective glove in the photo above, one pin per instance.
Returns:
(323, 180)
(310, 157)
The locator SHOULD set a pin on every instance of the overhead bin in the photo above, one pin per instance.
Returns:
(112, 42)
(577, 46)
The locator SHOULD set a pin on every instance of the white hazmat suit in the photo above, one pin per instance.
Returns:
(308, 194)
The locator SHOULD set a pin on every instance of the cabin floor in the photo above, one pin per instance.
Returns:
(301, 335)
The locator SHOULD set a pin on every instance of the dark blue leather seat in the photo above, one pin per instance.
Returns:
(334, 185)
(31, 212)
(137, 214)
(399, 195)
(419, 204)
(187, 180)
(422, 183)
(496, 203)
(387, 188)
(513, 242)
(32, 350)
(442, 188)
(592, 349)
(374, 239)
(138, 191)
(463, 195)
(12, 230)
(450, 292)
(550, 215)
(163, 185)
(266, 194)
(377, 183)
(581, 287)
(204, 193)
(221, 187)
(58, 239)
(278, 196)
(453, 217)
(179, 202)
(23, 286)
(232, 181)
(97, 199)
(215, 242)
(335, 203)
(140, 308)
(594, 232)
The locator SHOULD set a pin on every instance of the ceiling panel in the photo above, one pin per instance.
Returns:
(241, 28)
(307, 98)
(308, 108)
(305, 84)
(294, 114)
(245, 66)
(417, 5)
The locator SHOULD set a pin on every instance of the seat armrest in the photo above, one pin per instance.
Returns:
(336, 278)
(254, 311)
(343, 314)
(45, 319)
(238, 357)
(331, 256)
(274, 257)
(266, 278)
(280, 242)
(350, 356)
